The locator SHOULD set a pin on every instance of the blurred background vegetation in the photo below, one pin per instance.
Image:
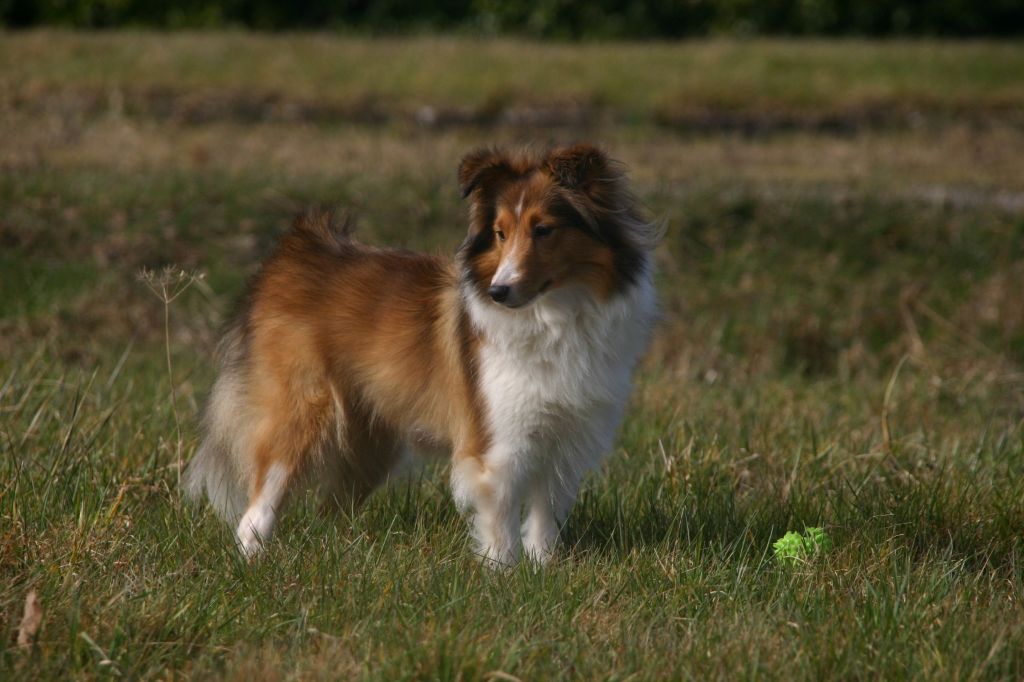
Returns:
(559, 19)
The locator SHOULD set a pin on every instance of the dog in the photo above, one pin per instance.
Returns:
(516, 356)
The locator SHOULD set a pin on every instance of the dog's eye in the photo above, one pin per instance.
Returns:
(542, 230)
(501, 235)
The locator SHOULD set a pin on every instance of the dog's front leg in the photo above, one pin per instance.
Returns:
(554, 487)
(489, 490)
(550, 498)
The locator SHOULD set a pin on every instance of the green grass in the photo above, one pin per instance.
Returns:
(842, 345)
(639, 78)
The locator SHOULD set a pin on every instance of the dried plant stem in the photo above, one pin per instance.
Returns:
(174, 395)
(168, 285)
(887, 403)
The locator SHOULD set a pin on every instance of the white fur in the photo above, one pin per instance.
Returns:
(221, 468)
(507, 273)
(258, 522)
(555, 376)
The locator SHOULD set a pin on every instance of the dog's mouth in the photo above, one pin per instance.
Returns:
(522, 304)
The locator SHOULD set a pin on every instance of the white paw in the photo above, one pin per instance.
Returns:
(541, 554)
(540, 548)
(250, 544)
(540, 538)
(254, 530)
(497, 558)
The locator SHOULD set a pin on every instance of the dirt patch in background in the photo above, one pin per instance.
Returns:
(197, 107)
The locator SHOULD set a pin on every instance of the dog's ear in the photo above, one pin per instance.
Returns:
(484, 169)
(578, 167)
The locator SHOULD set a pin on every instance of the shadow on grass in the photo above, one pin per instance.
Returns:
(937, 516)
(941, 515)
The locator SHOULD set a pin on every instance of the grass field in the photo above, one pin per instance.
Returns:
(842, 345)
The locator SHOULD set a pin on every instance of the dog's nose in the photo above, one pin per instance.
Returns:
(499, 292)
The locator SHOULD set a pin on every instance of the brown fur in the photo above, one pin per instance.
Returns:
(577, 193)
(341, 331)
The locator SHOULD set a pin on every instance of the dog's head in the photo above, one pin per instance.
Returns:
(541, 222)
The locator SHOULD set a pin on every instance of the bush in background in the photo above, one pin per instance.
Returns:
(560, 19)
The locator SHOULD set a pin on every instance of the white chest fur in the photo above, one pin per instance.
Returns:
(560, 369)
(554, 378)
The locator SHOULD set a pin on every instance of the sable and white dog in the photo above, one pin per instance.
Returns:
(517, 355)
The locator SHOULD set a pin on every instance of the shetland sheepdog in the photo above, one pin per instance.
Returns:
(516, 356)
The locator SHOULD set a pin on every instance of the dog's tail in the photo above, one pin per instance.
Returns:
(215, 470)
(324, 228)
(212, 472)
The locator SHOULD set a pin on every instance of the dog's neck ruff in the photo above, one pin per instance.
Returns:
(568, 320)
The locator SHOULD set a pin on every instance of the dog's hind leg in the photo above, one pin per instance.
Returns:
(363, 452)
(283, 450)
(258, 522)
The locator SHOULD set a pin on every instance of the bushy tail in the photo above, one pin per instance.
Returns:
(212, 472)
(324, 229)
(215, 468)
